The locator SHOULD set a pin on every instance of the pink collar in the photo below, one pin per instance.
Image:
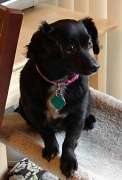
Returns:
(68, 82)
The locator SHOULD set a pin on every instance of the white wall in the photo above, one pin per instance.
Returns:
(52, 2)
(111, 9)
(114, 53)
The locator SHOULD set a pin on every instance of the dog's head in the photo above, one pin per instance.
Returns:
(62, 48)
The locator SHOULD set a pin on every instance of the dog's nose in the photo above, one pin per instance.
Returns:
(95, 67)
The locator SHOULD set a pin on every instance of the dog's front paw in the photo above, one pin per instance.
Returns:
(68, 164)
(50, 152)
(89, 123)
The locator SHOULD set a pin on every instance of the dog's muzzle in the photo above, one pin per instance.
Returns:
(95, 68)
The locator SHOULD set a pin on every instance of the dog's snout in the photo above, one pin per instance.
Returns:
(95, 67)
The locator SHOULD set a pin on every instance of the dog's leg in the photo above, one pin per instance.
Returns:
(68, 159)
(89, 123)
(51, 145)
(90, 119)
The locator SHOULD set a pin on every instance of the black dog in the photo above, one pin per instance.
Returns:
(54, 85)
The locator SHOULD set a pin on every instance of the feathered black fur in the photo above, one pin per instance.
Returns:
(60, 50)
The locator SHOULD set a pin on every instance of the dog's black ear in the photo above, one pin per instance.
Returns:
(46, 28)
(42, 44)
(32, 47)
(92, 31)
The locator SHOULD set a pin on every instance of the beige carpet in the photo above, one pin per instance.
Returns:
(99, 151)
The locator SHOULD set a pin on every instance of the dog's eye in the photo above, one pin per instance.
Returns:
(70, 49)
(90, 44)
